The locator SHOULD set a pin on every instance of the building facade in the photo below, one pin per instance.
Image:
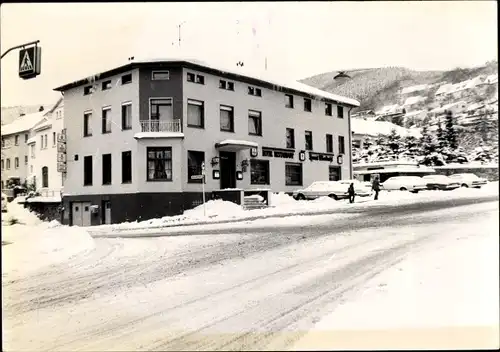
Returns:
(139, 136)
(15, 149)
(42, 164)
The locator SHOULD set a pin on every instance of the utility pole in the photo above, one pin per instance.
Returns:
(179, 26)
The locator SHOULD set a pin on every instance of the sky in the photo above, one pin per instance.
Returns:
(299, 39)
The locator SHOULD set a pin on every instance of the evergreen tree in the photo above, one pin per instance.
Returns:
(441, 137)
(484, 126)
(427, 142)
(394, 141)
(451, 134)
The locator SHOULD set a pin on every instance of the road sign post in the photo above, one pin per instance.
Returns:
(203, 187)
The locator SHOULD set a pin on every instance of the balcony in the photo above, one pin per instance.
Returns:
(161, 126)
(160, 129)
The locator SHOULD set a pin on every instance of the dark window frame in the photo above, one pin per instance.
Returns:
(200, 79)
(154, 78)
(255, 118)
(340, 111)
(126, 79)
(127, 169)
(292, 144)
(106, 85)
(194, 102)
(87, 90)
(289, 103)
(329, 143)
(104, 120)
(159, 168)
(196, 169)
(124, 108)
(45, 177)
(16, 162)
(308, 134)
(155, 103)
(330, 174)
(16, 139)
(341, 142)
(328, 109)
(190, 77)
(230, 109)
(287, 171)
(88, 170)
(87, 119)
(307, 104)
(256, 171)
(107, 169)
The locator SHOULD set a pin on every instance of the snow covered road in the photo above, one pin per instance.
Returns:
(261, 289)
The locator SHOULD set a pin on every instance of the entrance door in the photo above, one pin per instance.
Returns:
(86, 214)
(76, 211)
(334, 173)
(227, 161)
(106, 206)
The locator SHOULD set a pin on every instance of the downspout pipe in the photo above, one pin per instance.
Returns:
(351, 173)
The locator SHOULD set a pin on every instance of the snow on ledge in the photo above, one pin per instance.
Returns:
(238, 142)
(142, 135)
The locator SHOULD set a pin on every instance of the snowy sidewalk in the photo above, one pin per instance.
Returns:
(444, 297)
(221, 213)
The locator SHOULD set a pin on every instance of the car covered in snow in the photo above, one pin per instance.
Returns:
(469, 180)
(361, 189)
(4, 203)
(332, 189)
(440, 182)
(413, 184)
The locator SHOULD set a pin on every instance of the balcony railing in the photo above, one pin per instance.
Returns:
(160, 126)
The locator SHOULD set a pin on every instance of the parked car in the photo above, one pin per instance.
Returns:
(469, 180)
(4, 203)
(361, 189)
(332, 189)
(413, 184)
(440, 182)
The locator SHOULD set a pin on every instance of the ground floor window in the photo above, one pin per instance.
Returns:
(259, 172)
(159, 163)
(293, 174)
(334, 173)
(195, 161)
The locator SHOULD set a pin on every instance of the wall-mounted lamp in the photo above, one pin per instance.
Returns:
(215, 174)
(302, 155)
(254, 152)
(340, 159)
(239, 175)
(214, 161)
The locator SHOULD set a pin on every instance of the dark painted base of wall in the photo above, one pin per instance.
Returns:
(45, 211)
(135, 206)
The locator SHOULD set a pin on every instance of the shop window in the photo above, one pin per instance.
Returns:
(259, 172)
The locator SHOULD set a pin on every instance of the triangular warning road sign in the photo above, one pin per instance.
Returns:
(26, 64)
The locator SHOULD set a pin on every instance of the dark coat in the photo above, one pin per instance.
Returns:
(376, 185)
(350, 190)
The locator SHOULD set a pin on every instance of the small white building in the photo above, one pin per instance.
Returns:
(414, 103)
(42, 143)
(363, 130)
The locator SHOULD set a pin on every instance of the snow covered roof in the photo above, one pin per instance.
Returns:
(32, 140)
(264, 77)
(374, 128)
(235, 142)
(445, 88)
(447, 106)
(389, 109)
(491, 79)
(414, 113)
(412, 89)
(23, 123)
(475, 106)
(414, 100)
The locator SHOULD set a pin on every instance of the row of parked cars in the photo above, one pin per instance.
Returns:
(338, 189)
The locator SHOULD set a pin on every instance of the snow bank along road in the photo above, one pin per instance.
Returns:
(258, 290)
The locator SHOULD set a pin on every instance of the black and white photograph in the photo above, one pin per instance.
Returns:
(249, 176)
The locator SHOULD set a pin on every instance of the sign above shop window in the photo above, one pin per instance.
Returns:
(278, 152)
(320, 156)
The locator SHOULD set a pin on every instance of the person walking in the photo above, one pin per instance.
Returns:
(376, 187)
(351, 193)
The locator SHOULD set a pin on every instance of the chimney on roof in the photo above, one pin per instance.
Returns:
(41, 108)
